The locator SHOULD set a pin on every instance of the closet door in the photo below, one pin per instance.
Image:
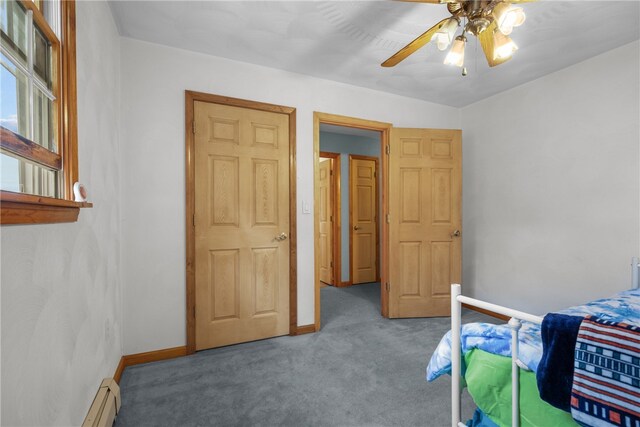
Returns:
(241, 224)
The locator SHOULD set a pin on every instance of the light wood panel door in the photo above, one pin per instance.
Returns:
(363, 194)
(241, 224)
(326, 221)
(425, 189)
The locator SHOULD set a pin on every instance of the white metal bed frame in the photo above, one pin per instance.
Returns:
(457, 299)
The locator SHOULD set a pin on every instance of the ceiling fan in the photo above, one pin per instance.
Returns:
(491, 21)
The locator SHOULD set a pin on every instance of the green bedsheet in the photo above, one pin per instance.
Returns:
(488, 380)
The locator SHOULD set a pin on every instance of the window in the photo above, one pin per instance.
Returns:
(38, 158)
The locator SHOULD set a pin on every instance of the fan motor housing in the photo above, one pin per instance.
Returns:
(478, 25)
(476, 11)
(474, 8)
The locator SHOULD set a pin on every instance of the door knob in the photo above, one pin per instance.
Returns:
(355, 227)
(281, 237)
(456, 233)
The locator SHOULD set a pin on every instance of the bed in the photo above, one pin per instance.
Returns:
(487, 359)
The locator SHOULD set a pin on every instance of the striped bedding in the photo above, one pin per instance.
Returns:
(606, 377)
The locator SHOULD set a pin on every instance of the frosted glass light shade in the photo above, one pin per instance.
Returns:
(508, 16)
(456, 54)
(503, 46)
(444, 36)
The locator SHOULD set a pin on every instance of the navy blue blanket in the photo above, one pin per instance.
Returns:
(555, 371)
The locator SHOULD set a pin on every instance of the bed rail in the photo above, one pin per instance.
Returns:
(457, 299)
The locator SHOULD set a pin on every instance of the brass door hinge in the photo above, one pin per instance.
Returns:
(388, 219)
(193, 218)
(193, 127)
(388, 287)
(387, 149)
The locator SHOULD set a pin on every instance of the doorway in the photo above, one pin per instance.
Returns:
(367, 230)
(421, 218)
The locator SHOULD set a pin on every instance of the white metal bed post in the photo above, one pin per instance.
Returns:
(456, 351)
(635, 272)
(515, 324)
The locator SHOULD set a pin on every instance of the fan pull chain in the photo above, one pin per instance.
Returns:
(464, 68)
(476, 55)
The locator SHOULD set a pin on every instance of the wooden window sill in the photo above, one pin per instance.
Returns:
(18, 208)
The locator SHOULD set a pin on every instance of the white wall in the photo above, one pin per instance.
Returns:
(61, 284)
(551, 186)
(154, 81)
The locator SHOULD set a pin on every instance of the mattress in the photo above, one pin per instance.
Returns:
(488, 379)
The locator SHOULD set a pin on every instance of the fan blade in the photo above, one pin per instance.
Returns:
(433, 1)
(486, 40)
(420, 41)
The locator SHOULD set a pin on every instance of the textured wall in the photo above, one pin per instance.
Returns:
(154, 79)
(349, 144)
(61, 286)
(551, 186)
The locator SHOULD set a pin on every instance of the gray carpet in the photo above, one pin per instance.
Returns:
(360, 369)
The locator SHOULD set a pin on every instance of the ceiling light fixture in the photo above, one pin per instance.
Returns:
(491, 21)
(456, 54)
(445, 34)
(508, 16)
(504, 46)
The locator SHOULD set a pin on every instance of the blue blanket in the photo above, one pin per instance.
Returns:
(555, 371)
(496, 339)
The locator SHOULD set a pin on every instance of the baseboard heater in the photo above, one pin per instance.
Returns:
(105, 406)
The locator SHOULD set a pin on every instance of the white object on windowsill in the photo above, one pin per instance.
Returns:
(79, 192)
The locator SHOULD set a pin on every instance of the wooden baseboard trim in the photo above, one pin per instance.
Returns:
(146, 357)
(306, 329)
(343, 284)
(487, 312)
(118, 374)
(154, 356)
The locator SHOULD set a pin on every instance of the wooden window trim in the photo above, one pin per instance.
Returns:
(23, 147)
(20, 208)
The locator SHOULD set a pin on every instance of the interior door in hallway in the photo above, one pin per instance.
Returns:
(326, 222)
(363, 205)
(425, 191)
(241, 224)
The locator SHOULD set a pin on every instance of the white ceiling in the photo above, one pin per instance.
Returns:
(346, 41)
